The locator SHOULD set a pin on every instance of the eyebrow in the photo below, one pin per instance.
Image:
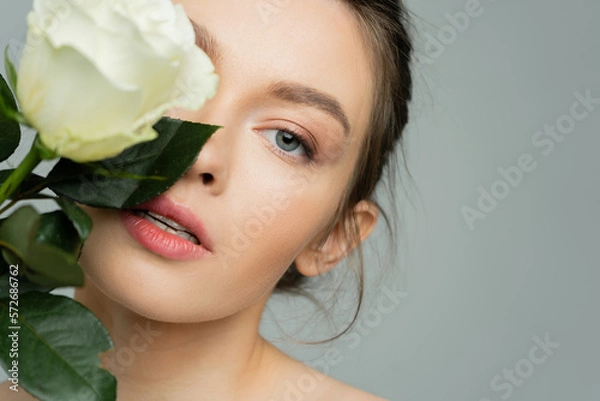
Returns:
(287, 91)
(304, 95)
(206, 41)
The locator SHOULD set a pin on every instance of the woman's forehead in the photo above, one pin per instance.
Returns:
(314, 43)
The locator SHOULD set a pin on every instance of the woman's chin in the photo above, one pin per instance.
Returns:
(122, 272)
(156, 291)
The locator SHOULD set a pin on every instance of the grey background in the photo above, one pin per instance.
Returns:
(476, 298)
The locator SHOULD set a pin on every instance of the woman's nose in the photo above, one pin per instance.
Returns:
(211, 167)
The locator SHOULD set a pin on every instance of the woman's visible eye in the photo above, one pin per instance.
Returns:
(289, 143)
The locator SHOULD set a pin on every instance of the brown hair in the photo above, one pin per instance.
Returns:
(385, 28)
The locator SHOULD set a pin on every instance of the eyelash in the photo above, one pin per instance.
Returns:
(306, 144)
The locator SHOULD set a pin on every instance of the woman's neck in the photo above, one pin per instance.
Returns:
(152, 360)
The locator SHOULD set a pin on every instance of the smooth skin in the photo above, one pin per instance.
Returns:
(201, 317)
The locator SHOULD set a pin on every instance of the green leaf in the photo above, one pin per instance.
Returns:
(9, 261)
(11, 71)
(6, 268)
(47, 244)
(80, 219)
(3, 267)
(25, 286)
(18, 230)
(9, 257)
(56, 230)
(10, 131)
(105, 184)
(59, 344)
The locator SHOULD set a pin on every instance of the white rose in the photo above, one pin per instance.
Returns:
(96, 75)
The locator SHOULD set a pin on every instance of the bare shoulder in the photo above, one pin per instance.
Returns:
(296, 381)
(6, 393)
(336, 390)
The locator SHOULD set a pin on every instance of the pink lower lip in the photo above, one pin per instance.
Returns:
(158, 241)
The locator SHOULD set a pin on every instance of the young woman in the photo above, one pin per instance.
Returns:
(313, 100)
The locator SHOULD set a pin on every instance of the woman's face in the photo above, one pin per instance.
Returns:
(294, 71)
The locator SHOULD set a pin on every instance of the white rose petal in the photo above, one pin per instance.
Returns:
(97, 74)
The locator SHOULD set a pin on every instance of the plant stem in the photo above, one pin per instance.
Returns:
(15, 179)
